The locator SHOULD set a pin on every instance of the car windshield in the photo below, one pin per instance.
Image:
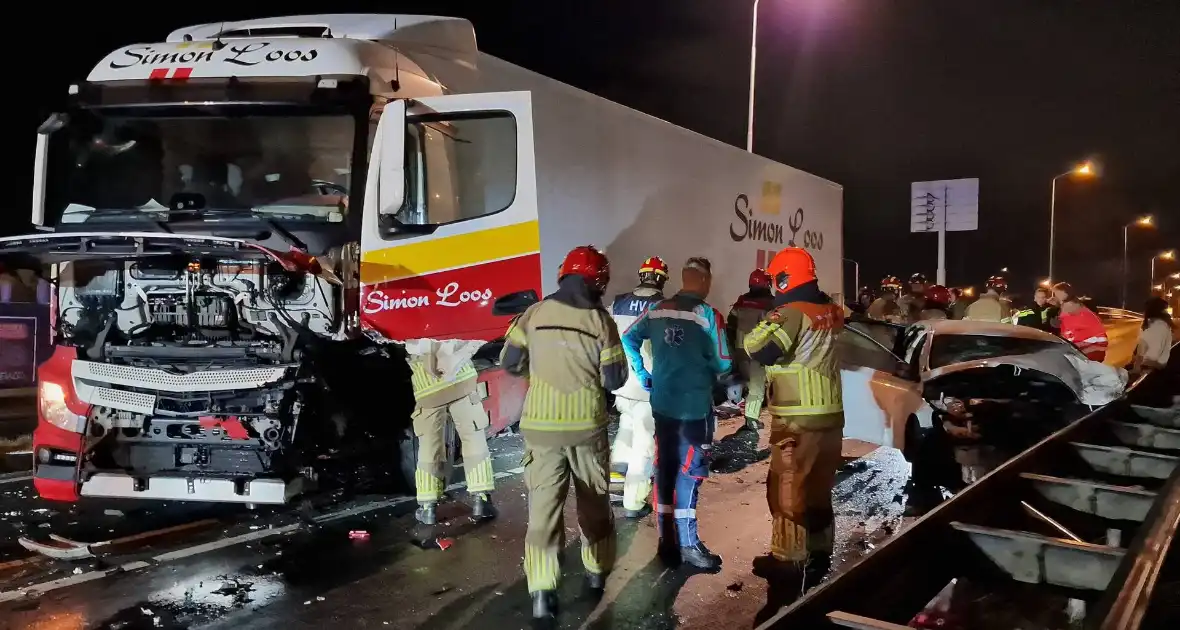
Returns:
(292, 167)
(950, 349)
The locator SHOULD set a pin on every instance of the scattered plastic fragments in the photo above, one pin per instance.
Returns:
(358, 534)
(435, 543)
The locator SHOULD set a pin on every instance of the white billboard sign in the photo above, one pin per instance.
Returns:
(955, 199)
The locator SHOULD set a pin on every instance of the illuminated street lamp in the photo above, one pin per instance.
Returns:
(1143, 222)
(1046, 283)
(1085, 169)
(753, 67)
(1168, 255)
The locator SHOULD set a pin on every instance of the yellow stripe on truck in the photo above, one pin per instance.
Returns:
(462, 250)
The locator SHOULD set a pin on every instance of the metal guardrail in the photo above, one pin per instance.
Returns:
(1047, 523)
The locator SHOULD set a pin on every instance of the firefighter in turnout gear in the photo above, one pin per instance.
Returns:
(568, 347)
(633, 451)
(744, 316)
(440, 397)
(991, 306)
(912, 299)
(885, 307)
(689, 354)
(797, 342)
(936, 302)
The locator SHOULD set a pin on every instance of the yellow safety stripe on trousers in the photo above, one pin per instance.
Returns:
(542, 568)
(818, 394)
(765, 333)
(611, 354)
(548, 409)
(480, 477)
(429, 488)
(599, 557)
(426, 384)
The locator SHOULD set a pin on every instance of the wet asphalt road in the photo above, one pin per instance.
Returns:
(314, 576)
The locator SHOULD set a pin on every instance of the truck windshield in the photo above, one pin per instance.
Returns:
(288, 167)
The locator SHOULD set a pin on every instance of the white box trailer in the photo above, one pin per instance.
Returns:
(248, 142)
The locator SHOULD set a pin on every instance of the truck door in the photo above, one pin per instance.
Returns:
(450, 216)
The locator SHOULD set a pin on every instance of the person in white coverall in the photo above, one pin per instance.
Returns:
(633, 453)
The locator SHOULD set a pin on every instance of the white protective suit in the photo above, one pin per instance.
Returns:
(634, 446)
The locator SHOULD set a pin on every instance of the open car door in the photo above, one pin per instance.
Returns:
(882, 396)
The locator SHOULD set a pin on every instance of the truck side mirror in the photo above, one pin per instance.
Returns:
(515, 303)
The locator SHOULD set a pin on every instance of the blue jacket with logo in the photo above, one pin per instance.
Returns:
(689, 352)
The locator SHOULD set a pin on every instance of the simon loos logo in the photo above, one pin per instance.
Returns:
(449, 296)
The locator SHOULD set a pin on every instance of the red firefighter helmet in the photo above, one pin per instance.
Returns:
(998, 283)
(588, 262)
(654, 265)
(790, 268)
(938, 296)
(759, 279)
(891, 284)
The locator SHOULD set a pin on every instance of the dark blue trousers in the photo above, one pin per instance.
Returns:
(683, 449)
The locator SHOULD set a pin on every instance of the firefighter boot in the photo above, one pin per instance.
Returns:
(544, 604)
(482, 508)
(700, 557)
(425, 513)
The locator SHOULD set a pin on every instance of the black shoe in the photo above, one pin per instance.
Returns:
(425, 514)
(596, 581)
(818, 565)
(636, 514)
(753, 424)
(482, 508)
(544, 604)
(700, 557)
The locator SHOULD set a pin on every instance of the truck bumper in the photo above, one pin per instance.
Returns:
(200, 489)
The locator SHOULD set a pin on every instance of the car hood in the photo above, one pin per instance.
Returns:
(1093, 383)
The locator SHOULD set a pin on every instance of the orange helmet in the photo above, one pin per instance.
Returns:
(759, 279)
(588, 262)
(790, 268)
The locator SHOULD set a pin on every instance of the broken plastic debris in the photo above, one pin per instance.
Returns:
(77, 570)
(146, 611)
(358, 534)
(113, 512)
(435, 543)
(319, 598)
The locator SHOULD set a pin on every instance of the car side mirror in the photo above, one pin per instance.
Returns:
(515, 303)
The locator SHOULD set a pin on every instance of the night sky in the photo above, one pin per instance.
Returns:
(873, 94)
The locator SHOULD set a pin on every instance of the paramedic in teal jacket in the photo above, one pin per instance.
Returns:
(689, 353)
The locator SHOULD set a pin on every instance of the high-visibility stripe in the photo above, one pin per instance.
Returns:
(611, 354)
(666, 313)
(480, 477)
(684, 513)
(449, 252)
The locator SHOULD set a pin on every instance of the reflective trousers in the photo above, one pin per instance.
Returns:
(803, 467)
(755, 390)
(635, 447)
(471, 421)
(547, 475)
(683, 448)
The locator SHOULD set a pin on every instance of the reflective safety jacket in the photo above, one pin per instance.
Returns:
(625, 309)
(1085, 330)
(431, 389)
(744, 317)
(568, 346)
(689, 352)
(797, 343)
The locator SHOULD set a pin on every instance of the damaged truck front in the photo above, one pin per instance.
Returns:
(205, 265)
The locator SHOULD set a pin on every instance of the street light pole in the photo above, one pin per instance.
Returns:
(856, 274)
(753, 69)
(1126, 229)
(1084, 169)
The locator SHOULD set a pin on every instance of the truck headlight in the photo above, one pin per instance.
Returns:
(51, 398)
